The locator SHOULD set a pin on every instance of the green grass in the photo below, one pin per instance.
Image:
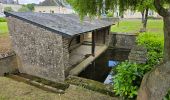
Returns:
(134, 26)
(3, 29)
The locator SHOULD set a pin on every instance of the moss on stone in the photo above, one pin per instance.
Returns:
(91, 85)
(58, 85)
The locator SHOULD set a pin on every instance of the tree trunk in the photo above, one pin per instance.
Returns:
(167, 39)
(156, 83)
(145, 19)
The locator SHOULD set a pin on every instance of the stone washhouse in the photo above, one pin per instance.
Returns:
(51, 46)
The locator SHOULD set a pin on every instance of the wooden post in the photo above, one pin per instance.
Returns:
(93, 43)
(104, 37)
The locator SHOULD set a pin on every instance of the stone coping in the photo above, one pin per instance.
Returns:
(124, 33)
(7, 54)
(91, 85)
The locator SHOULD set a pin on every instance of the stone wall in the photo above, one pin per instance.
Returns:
(40, 52)
(138, 54)
(66, 57)
(8, 63)
(122, 41)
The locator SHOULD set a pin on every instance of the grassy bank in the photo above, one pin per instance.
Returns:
(133, 26)
(5, 44)
(3, 29)
(16, 90)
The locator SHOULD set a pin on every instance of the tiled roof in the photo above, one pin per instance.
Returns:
(64, 24)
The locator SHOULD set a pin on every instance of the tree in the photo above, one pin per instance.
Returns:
(144, 8)
(24, 9)
(30, 6)
(155, 84)
(8, 9)
(27, 8)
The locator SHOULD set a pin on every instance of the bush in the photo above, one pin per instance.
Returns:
(24, 9)
(129, 75)
(8, 9)
(2, 19)
(154, 43)
(110, 14)
(127, 79)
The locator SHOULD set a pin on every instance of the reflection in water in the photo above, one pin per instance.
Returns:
(100, 69)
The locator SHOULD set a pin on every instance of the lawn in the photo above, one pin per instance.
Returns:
(3, 29)
(133, 26)
(125, 26)
(5, 44)
(18, 90)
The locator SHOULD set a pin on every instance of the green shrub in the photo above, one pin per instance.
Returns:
(154, 43)
(127, 79)
(24, 9)
(8, 9)
(2, 19)
(129, 75)
(110, 14)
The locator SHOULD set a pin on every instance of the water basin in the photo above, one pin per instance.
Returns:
(100, 69)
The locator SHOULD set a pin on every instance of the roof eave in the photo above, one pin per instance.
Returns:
(8, 14)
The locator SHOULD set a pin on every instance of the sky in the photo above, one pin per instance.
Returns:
(29, 1)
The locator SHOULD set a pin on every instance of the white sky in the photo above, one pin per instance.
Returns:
(29, 1)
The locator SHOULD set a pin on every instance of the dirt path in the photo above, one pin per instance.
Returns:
(13, 90)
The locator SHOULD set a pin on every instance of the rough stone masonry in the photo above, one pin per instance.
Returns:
(40, 52)
(42, 42)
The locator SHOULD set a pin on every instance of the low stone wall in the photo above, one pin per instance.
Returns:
(138, 54)
(8, 63)
(91, 85)
(124, 41)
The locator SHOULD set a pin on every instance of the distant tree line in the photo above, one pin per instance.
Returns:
(24, 8)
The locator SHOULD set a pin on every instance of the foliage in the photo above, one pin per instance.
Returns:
(27, 8)
(2, 19)
(167, 97)
(145, 4)
(110, 14)
(154, 44)
(30, 6)
(94, 7)
(24, 9)
(129, 75)
(8, 9)
(127, 79)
